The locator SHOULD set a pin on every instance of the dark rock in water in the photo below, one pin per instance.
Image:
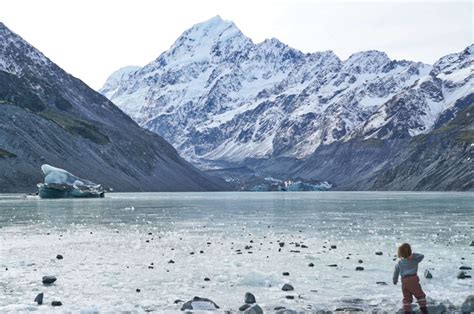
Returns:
(281, 244)
(170, 261)
(202, 304)
(378, 253)
(463, 275)
(472, 243)
(359, 268)
(349, 309)
(47, 280)
(178, 301)
(207, 279)
(286, 311)
(360, 261)
(287, 287)
(39, 298)
(290, 297)
(465, 268)
(254, 309)
(468, 305)
(249, 298)
(137, 290)
(382, 283)
(244, 307)
(294, 251)
(278, 308)
(56, 303)
(333, 247)
(59, 256)
(333, 265)
(428, 274)
(304, 246)
(311, 265)
(285, 273)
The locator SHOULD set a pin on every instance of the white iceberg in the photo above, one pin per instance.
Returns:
(58, 183)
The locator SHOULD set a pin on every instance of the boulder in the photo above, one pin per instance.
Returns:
(249, 298)
(39, 298)
(198, 303)
(349, 309)
(463, 275)
(47, 280)
(287, 287)
(254, 309)
(244, 307)
(428, 274)
(468, 305)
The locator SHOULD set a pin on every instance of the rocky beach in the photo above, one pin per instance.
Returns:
(285, 252)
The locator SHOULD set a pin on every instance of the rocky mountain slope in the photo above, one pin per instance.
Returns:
(48, 116)
(226, 102)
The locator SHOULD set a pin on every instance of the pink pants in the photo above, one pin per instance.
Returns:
(411, 287)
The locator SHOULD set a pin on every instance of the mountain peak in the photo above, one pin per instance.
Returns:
(214, 37)
(366, 61)
(214, 27)
(213, 21)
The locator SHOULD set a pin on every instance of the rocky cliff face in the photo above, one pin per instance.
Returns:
(48, 116)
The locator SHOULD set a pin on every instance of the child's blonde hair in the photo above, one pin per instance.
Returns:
(404, 250)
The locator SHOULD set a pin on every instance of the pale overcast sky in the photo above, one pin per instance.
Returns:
(92, 38)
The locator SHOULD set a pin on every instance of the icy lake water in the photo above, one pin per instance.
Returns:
(113, 246)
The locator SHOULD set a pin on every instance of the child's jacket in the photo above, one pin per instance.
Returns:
(407, 266)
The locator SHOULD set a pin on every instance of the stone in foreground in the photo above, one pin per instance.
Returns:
(39, 298)
(254, 309)
(47, 280)
(198, 303)
(249, 298)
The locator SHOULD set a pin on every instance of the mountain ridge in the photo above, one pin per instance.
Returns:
(267, 71)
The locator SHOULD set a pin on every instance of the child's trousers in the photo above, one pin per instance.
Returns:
(411, 287)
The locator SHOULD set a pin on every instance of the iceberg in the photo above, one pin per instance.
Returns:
(58, 183)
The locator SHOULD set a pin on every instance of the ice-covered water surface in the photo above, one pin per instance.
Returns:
(114, 246)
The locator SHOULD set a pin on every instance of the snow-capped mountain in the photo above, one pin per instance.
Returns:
(429, 102)
(217, 96)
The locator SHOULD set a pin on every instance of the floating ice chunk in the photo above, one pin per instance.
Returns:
(59, 183)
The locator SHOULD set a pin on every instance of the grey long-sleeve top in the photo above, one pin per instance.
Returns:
(407, 266)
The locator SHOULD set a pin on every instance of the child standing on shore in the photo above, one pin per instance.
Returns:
(407, 268)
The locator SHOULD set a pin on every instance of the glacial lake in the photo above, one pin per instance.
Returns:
(126, 241)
